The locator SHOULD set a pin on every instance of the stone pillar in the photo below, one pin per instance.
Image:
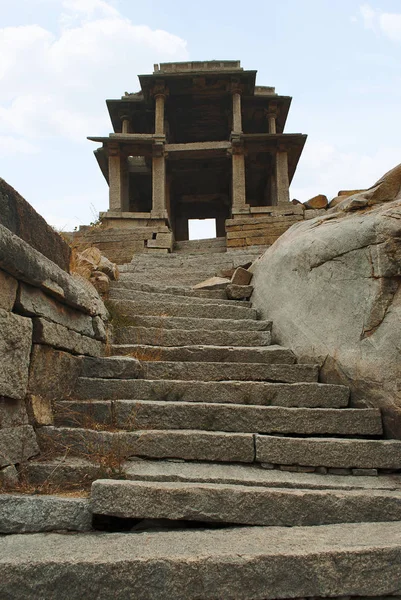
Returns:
(272, 122)
(237, 117)
(115, 179)
(159, 185)
(282, 180)
(125, 128)
(238, 180)
(159, 114)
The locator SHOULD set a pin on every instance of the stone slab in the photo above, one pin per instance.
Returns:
(15, 348)
(31, 514)
(188, 445)
(117, 367)
(221, 354)
(132, 308)
(52, 373)
(204, 324)
(193, 338)
(329, 452)
(308, 395)
(241, 276)
(33, 302)
(17, 444)
(253, 475)
(243, 505)
(217, 371)
(127, 294)
(8, 291)
(239, 292)
(22, 219)
(12, 413)
(127, 281)
(242, 563)
(26, 264)
(58, 336)
(241, 418)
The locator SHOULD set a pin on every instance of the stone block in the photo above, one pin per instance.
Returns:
(22, 220)
(58, 336)
(25, 263)
(52, 374)
(8, 478)
(331, 453)
(30, 514)
(245, 505)
(241, 276)
(306, 395)
(34, 303)
(350, 560)
(8, 291)
(12, 413)
(213, 283)
(239, 292)
(188, 445)
(319, 201)
(40, 410)
(114, 367)
(17, 444)
(101, 282)
(15, 348)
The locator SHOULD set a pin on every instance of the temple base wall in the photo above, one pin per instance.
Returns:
(120, 236)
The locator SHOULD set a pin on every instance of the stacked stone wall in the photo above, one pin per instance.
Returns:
(48, 320)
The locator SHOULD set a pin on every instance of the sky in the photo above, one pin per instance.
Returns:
(60, 59)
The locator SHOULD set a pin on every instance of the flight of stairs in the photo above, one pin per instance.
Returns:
(222, 427)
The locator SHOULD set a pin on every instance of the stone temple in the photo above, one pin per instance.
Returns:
(199, 141)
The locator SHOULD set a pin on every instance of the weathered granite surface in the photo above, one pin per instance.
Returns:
(22, 219)
(332, 288)
(23, 262)
(29, 514)
(8, 290)
(15, 347)
(17, 444)
(257, 562)
(58, 336)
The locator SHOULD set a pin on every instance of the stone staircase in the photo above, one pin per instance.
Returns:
(220, 427)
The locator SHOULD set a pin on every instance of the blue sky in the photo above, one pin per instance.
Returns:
(60, 59)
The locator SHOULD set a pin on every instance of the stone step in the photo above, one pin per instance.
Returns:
(193, 338)
(308, 395)
(242, 505)
(222, 371)
(344, 560)
(327, 452)
(138, 296)
(252, 475)
(264, 355)
(132, 308)
(70, 470)
(203, 243)
(359, 560)
(126, 281)
(112, 447)
(147, 414)
(188, 323)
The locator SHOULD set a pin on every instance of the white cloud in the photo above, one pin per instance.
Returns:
(56, 85)
(389, 24)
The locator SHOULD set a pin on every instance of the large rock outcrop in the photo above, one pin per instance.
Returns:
(332, 288)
